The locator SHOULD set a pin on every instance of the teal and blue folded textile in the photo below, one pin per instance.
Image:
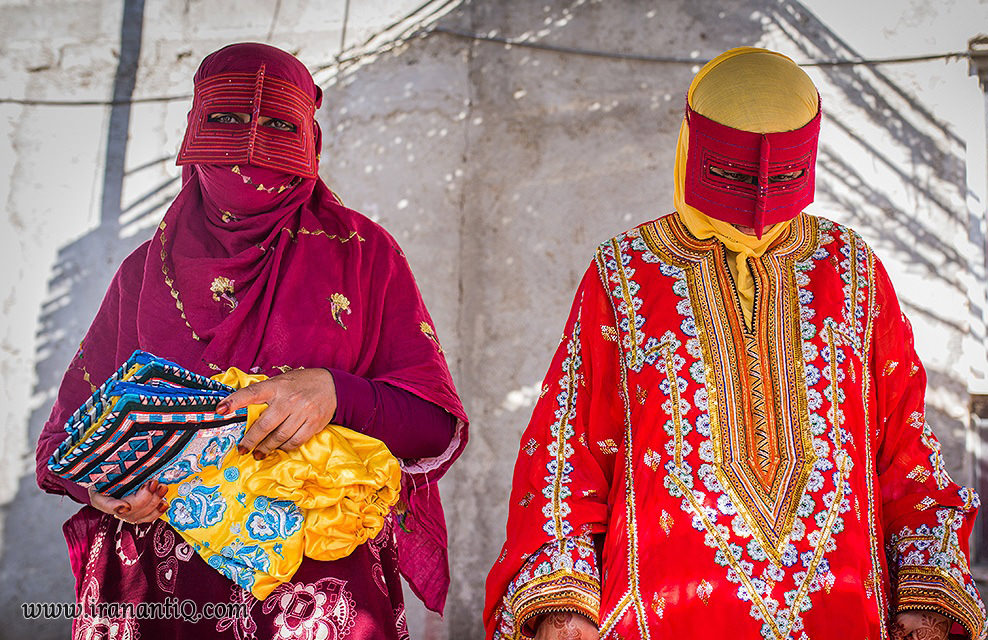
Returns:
(151, 419)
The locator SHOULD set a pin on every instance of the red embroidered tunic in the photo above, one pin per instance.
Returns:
(684, 471)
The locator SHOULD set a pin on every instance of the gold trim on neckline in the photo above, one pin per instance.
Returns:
(669, 238)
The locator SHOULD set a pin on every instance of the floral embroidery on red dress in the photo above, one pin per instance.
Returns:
(243, 627)
(166, 572)
(376, 546)
(792, 455)
(401, 625)
(561, 576)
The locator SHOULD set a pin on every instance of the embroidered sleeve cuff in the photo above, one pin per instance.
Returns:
(559, 591)
(930, 589)
(560, 576)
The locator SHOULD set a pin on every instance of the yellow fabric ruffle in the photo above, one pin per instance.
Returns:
(321, 500)
(754, 90)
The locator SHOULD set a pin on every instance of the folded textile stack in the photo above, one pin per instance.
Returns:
(252, 520)
(140, 420)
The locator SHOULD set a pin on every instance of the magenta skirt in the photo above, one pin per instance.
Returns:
(144, 582)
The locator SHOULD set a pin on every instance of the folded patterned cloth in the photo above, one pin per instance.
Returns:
(252, 520)
(145, 416)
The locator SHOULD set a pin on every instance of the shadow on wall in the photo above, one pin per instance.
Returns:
(499, 168)
(80, 276)
(922, 153)
(916, 215)
(82, 271)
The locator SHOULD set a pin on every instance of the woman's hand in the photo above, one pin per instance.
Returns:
(300, 404)
(145, 505)
(560, 625)
(920, 625)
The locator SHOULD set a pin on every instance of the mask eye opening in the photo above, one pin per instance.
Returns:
(228, 117)
(278, 124)
(787, 176)
(732, 175)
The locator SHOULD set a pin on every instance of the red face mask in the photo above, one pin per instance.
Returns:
(292, 152)
(776, 195)
(244, 190)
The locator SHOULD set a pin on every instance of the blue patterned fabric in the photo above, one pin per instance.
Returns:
(152, 419)
(155, 420)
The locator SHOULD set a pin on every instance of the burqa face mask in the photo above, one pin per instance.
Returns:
(781, 167)
(260, 95)
(243, 191)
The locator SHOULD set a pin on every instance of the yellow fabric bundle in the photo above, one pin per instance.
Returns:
(754, 90)
(321, 500)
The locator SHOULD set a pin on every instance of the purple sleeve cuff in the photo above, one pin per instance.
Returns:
(56, 484)
(410, 426)
(77, 492)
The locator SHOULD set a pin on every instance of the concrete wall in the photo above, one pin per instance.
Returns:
(499, 169)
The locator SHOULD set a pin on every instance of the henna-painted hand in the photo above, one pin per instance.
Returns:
(145, 505)
(300, 404)
(566, 626)
(920, 625)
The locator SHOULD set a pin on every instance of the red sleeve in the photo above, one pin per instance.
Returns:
(927, 518)
(559, 494)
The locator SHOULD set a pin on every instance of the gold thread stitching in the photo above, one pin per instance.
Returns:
(170, 282)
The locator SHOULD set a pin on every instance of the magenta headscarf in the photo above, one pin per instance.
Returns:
(265, 270)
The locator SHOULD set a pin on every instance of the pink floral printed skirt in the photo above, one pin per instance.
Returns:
(143, 582)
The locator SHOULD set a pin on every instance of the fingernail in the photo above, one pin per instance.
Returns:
(122, 509)
(242, 450)
(222, 408)
(161, 491)
(258, 456)
(153, 485)
(162, 507)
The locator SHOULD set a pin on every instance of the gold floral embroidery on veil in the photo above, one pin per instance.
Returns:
(430, 333)
(222, 289)
(339, 304)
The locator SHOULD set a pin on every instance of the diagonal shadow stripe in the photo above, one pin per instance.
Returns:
(131, 32)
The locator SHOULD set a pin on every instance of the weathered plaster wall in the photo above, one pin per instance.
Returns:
(498, 168)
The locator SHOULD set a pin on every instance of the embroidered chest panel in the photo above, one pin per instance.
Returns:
(747, 427)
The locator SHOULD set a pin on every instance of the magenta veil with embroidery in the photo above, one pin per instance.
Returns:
(265, 270)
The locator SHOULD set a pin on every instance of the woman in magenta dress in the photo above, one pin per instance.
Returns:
(258, 265)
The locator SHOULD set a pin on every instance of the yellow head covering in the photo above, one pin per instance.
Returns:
(754, 90)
